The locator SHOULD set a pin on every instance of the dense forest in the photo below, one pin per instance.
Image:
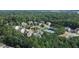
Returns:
(59, 20)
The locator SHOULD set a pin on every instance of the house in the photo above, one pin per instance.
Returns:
(30, 22)
(23, 30)
(68, 29)
(35, 23)
(17, 27)
(48, 23)
(40, 24)
(65, 34)
(77, 30)
(29, 33)
(24, 24)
